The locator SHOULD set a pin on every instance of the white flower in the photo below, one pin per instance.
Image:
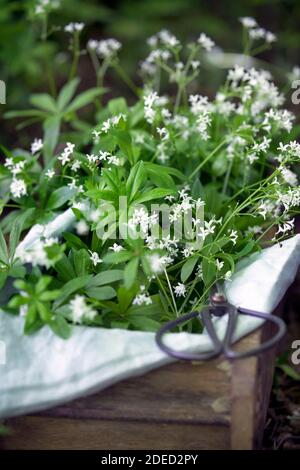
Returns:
(248, 22)
(95, 258)
(65, 156)
(206, 42)
(96, 135)
(233, 236)
(18, 188)
(227, 276)
(195, 64)
(188, 251)
(108, 48)
(156, 263)
(72, 27)
(91, 158)
(36, 146)
(270, 37)
(286, 226)
(94, 215)
(50, 173)
(180, 290)
(163, 133)
(72, 185)
(75, 166)
(80, 310)
(219, 264)
(82, 227)
(116, 248)
(289, 177)
(142, 298)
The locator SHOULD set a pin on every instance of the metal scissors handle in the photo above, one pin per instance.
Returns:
(219, 307)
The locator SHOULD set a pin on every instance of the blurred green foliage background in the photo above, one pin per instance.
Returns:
(23, 56)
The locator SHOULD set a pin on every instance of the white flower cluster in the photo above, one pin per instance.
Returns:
(80, 310)
(255, 32)
(106, 48)
(102, 157)
(65, 156)
(36, 254)
(150, 100)
(43, 7)
(74, 27)
(201, 109)
(206, 42)
(255, 87)
(143, 298)
(140, 218)
(163, 38)
(18, 186)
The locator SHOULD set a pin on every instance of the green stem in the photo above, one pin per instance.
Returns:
(228, 172)
(171, 292)
(126, 79)
(216, 149)
(76, 53)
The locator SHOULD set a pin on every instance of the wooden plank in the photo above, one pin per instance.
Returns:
(180, 392)
(213, 405)
(36, 432)
(250, 391)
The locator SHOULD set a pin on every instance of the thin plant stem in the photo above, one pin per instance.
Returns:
(216, 149)
(226, 180)
(171, 292)
(76, 54)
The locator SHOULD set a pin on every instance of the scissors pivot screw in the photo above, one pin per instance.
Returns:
(218, 298)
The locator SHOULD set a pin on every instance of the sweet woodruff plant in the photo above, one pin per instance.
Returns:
(163, 197)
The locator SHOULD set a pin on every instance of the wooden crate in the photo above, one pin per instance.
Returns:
(213, 405)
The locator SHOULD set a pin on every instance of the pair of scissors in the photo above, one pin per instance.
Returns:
(218, 307)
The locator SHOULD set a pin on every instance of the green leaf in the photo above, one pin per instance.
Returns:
(70, 288)
(188, 267)
(43, 283)
(145, 324)
(60, 327)
(51, 128)
(3, 278)
(123, 139)
(101, 293)
(81, 260)
(289, 371)
(155, 193)
(245, 251)
(32, 323)
(119, 257)
(209, 271)
(16, 230)
(65, 268)
(84, 99)
(125, 297)
(74, 241)
(130, 272)
(3, 249)
(44, 312)
(49, 295)
(44, 102)
(106, 277)
(67, 93)
(135, 180)
(25, 113)
(59, 197)
(117, 106)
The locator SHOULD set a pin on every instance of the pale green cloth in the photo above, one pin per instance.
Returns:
(42, 370)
